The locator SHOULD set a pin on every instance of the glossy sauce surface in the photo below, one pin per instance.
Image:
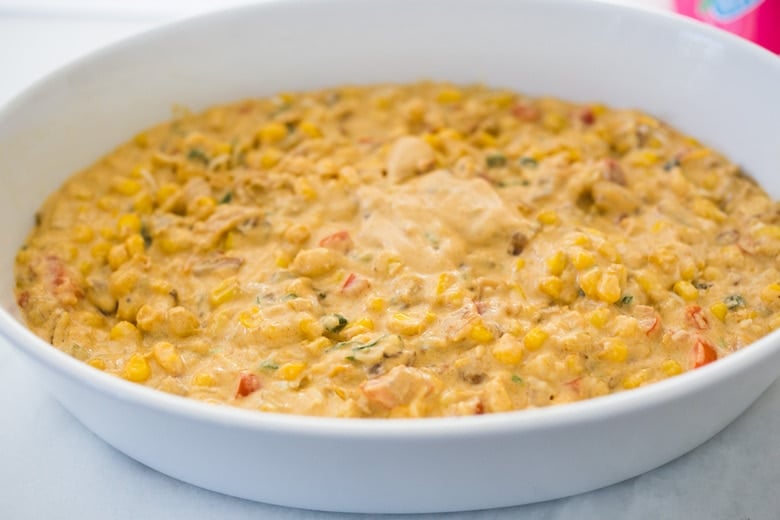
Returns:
(403, 251)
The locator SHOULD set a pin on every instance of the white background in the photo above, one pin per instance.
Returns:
(52, 467)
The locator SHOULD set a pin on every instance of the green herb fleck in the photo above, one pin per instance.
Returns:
(335, 323)
(351, 358)
(367, 345)
(146, 235)
(671, 164)
(289, 296)
(528, 162)
(226, 198)
(517, 379)
(196, 154)
(495, 160)
(734, 301)
(701, 285)
(580, 292)
(626, 300)
(269, 366)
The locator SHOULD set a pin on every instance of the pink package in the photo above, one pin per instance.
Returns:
(756, 20)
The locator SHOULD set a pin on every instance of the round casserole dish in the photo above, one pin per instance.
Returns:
(705, 83)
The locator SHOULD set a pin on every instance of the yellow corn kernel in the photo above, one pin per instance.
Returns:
(671, 367)
(644, 158)
(599, 317)
(519, 264)
(135, 244)
(203, 379)
(227, 289)
(705, 208)
(503, 99)
(432, 140)
(85, 267)
(319, 345)
(589, 282)
(769, 231)
(272, 133)
(141, 140)
(137, 369)
(719, 310)
(770, 293)
(100, 250)
(449, 95)
(445, 282)
(663, 258)
(122, 282)
(710, 181)
(486, 140)
(548, 217)
(556, 263)
(128, 223)
(125, 186)
(582, 240)
(107, 203)
(685, 290)
(609, 289)
(167, 356)
(311, 328)
(250, 318)
(230, 240)
(404, 324)
(615, 351)
(143, 203)
(182, 322)
(223, 148)
(202, 206)
(123, 329)
(551, 286)
(583, 260)
(282, 259)
(636, 379)
(688, 270)
(97, 363)
(553, 121)
(535, 338)
(508, 353)
(83, 234)
(270, 157)
(450, 134)
(165, 192)
(168, 246)
(310, 129)
(648, 283)
(109, 233)
(292, 370)
(609, 252)
(377, 304)
(659, 225)
(692, 155)
(117, 256)
(304, 189)
(480, 333)
(368, 324)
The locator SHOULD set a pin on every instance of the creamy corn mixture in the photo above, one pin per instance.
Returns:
(403, 251)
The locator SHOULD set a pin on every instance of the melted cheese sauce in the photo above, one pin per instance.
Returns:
(403, 251)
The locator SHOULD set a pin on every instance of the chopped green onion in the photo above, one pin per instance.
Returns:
(196, 154)
(734, 301)
(495, 160)
(528, 162)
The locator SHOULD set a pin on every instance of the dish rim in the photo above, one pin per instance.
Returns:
(554, 416)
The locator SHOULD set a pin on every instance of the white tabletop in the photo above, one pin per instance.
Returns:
(53, 467)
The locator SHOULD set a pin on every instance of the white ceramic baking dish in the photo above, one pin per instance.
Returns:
(708, 84)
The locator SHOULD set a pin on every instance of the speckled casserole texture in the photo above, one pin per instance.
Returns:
(403, 251)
